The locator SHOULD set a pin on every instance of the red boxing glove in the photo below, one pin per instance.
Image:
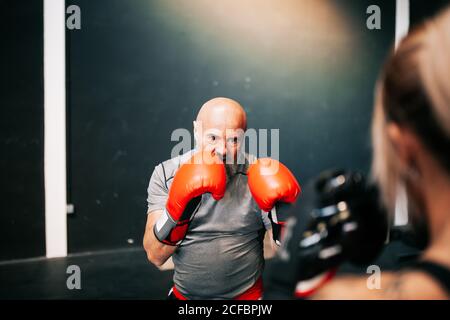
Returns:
(272, 185)
(203, 173)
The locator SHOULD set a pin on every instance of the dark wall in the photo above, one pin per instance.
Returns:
(22, 230)
(137, 70)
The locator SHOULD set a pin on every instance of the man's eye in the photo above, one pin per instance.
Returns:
(233, 140)
(212, 138)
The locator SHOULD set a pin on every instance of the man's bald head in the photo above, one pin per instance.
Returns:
(220, 126)
(223, 112)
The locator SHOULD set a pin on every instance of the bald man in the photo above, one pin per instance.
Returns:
(221, 254)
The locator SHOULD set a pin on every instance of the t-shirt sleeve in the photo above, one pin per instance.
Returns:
(157, 190)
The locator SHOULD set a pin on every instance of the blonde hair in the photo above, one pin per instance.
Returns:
(414, 91)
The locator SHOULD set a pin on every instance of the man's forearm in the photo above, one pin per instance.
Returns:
(157, 252)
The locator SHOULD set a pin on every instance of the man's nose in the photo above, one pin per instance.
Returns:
(221, 149)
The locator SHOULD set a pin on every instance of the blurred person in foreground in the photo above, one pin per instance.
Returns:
(411, 141)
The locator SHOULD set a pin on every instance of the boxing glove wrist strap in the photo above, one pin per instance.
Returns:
(164, 226)
(277, 217)
(171, 232)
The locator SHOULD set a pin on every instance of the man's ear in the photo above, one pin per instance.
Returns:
(406, 145)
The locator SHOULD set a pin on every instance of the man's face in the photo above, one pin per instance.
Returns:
(220, 127)
(221, 136)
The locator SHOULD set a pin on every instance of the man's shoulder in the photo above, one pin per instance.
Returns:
(168, 167)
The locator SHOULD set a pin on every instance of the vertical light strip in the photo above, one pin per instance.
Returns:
(55, 128)
(402, 16)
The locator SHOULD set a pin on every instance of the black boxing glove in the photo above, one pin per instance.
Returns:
(337, 219)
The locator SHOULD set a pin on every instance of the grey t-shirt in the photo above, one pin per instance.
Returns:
(222, 254)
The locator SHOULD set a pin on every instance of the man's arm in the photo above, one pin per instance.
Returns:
(166, 228)
(157, 252)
